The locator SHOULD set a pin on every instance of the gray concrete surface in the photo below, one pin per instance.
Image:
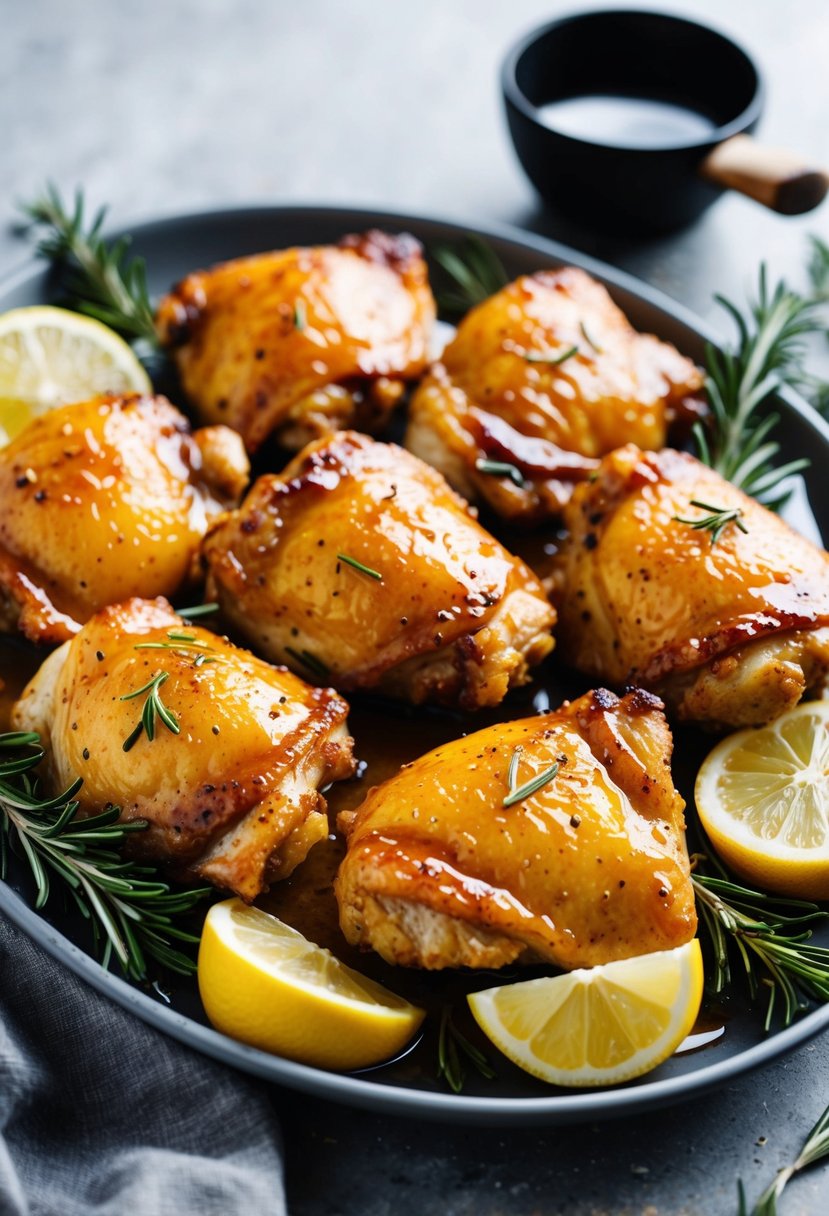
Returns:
(159, 108)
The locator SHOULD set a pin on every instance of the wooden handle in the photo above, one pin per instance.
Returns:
(775, 177)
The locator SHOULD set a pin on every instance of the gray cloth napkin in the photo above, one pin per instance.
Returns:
(100, 1115)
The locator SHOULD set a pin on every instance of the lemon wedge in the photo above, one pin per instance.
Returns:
(265, 984)
(596, 1026)
(50, 357)
(763, 798)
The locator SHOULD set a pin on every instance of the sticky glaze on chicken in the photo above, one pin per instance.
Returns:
(359, 566)
(591, 867)
(232, 798)
(732, 633)
(299, 342)
(545, 377)
(105, 499)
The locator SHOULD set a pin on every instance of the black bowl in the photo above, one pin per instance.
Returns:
(635, 54)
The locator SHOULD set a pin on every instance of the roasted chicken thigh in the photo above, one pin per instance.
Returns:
(445, 869)
(102, 500)
(232, 794)
(731, 630)
(359, 566)
(299, 342)
(544, 378)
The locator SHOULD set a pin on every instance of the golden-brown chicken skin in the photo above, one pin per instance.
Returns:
(233, 796)
(591, 867)
(439, 610)
(105, 499)
(546, 376)
(300, 342)
(729, 633)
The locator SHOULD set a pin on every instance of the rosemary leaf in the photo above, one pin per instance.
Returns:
(355, 565)
(501, 468)
(306, 659)
(553, 358)
(197, 610)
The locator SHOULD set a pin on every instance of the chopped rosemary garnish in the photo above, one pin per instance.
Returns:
(300, 315)
(197, 610)
(475, 270)
(519, 793)
(769, 354)
(355, 565)
(501, 468)
(553, 359)
(154, 708)
(588, 339)
(131, 911)
(99, 277)
(452, 1045)
(309, 660)
(716, 522)
(815, 1149)
(768, 931)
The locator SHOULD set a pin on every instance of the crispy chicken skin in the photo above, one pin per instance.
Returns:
(105, 499)
(299, 342)
(505, 392)
(731, 633)
(452, 617)
(233, 798)
(590, 868)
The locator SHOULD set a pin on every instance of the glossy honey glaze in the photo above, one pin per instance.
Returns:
(388, 736)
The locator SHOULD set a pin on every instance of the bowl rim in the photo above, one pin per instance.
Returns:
(515, 96)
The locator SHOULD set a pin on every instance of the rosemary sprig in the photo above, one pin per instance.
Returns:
(154, 708)
(132, 912)
(716, 522)
(453, 1047)
(517, 793)
(99, 277)
(815, 1149)
(475, 270)
(769, 353)
(501, 468)
(355, 565)
(766, 933)
(552, 359)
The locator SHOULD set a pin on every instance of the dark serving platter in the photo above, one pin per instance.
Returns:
(738, 1042)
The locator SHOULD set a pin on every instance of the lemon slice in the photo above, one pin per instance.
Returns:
(265, 984)
(49, 357)
(598, 1026)
(763, 798)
